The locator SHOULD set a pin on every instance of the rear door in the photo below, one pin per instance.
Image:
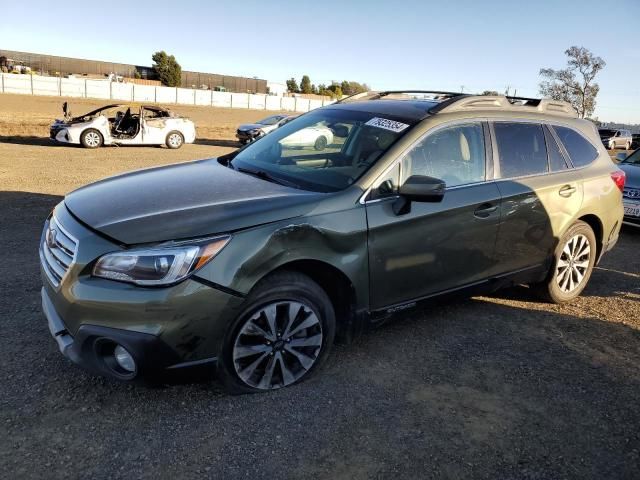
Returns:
(435, 246)
(540, 191)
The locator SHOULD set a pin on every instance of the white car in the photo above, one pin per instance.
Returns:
(317, 137)
(124, 125)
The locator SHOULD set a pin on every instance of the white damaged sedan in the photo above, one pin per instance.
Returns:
(124, 124)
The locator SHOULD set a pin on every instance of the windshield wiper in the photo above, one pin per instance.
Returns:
(261, 174)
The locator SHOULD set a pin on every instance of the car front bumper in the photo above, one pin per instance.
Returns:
(164, 329)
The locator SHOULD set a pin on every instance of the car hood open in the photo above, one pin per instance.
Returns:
(186, 200)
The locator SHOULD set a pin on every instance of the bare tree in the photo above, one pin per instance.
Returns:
(574, 84)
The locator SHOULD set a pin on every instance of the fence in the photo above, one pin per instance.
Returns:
(130, 92)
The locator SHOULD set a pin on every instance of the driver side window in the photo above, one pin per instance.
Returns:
(454, 154)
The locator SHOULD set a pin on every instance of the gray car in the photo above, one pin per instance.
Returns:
(630, 165)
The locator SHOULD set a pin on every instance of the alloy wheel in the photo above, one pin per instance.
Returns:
(277, 345)
(92, 139)
(573, 263)
(175, 140)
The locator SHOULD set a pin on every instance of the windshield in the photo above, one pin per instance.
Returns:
(633, 159)
(325, 150)
(271, 120)
(607, 133)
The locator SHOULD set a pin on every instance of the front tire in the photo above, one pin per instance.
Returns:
(282, 336)
(91, 138)
(574, 259)
(174, 140)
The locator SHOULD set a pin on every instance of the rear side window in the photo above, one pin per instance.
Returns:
(522, 149)
(579, 148)
(557, 162)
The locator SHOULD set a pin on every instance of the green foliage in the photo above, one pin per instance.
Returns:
(305, 84)
(292, 86)
(574, 84)
(136, 74)
(490, 92)
(167, 69)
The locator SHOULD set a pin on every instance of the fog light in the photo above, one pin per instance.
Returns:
(124, 359)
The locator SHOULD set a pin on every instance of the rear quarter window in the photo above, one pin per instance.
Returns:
(521, 148)
(580, 150)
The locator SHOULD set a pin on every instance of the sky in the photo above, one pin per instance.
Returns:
(391, 45)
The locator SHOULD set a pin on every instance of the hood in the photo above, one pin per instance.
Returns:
(186, 200)
(633, 174)
(245, 127)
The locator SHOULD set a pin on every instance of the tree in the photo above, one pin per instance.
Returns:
(314, 89)
(574, 84)
(305, 84)
(167, 69)
(490, 92)
(292, 85)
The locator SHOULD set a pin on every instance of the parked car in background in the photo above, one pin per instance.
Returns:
(256, 261)
(124, 124)
(248, 132)
(612, 138)
(630, 165)
(317, 137)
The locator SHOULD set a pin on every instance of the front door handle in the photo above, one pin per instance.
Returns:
(484, 210)
(567, 191)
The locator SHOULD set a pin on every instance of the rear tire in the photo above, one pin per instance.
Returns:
(91, 138)
(282, 336)
(320, 143)
(174, 140)
(573, 263)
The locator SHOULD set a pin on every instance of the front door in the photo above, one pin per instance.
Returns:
(441, 246)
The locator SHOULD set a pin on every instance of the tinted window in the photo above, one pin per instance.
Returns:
(556, 159)
(522, 149)
(580, 150)
(453, 154)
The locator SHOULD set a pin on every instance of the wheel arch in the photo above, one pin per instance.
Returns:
(337, 285)
(598, 230)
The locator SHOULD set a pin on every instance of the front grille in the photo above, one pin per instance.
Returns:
(57, 251)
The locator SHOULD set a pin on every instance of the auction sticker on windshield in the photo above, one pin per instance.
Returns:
(387, 124)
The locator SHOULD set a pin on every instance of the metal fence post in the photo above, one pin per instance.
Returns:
(85, 89)
(2, 77)
(110, 90)
(155, 94)
(176, 95)
(31, 76)
(133, 92)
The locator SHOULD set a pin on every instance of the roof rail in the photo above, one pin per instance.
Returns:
(375, 95)
(512, 104)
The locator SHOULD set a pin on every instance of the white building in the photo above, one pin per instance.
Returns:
(277, 89)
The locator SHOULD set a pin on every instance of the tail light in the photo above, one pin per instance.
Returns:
(619, 178)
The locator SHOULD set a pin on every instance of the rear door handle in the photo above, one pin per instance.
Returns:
(484, 210)
(567, 191)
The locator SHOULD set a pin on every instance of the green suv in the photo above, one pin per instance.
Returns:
(258, 261)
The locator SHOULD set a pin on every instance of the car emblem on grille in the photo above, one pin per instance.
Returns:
(633, 193)
(51, 238)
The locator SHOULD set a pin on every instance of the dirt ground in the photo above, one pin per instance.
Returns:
(499, 387)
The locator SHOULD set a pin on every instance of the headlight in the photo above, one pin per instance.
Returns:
(160, 265)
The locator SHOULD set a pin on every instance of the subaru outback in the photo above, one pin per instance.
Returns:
(254, 263)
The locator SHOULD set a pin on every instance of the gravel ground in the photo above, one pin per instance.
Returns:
(490, 387)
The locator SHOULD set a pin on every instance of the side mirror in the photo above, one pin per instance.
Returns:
(421, 188)
(621, 157)
(418, 188)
